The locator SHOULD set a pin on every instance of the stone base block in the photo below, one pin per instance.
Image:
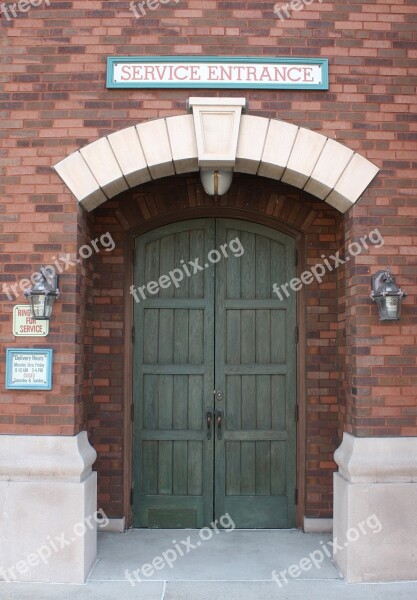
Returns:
(48, 504)
(375, 521)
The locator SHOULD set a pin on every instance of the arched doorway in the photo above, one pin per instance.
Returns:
(257, 202)
(214, 376)
(105, 173)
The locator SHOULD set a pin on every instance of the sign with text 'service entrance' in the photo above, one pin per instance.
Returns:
(217, 72)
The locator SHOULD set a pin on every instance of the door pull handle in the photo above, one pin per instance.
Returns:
(219, 418)
(209, 418)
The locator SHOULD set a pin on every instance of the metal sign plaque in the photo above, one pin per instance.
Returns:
(217, 72)
(29, 369)
(25, 326)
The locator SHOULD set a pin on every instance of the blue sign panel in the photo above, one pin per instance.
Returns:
(28, 369)
(217, 72)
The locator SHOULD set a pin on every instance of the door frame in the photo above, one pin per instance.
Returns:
(129, 254)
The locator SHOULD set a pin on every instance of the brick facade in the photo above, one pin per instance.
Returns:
(361, 375)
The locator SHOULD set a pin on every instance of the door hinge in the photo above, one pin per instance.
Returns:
(296, 335)
(296, 496)
(296, 413)
(132, 412)
(133, 334)
(131, 496)
(296, 258)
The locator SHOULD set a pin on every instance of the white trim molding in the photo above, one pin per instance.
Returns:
(377, 460)
(375, 516)
(113, 526)
(217, 134)
(317, 525)
(34, 458)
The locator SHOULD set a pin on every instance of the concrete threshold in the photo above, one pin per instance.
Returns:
(235, 564)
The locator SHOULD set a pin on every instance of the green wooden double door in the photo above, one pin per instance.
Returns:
(214, 377)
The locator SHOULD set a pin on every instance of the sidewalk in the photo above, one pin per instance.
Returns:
(234, 565)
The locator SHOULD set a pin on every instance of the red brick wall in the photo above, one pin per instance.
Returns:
(53, 100)
(323, 374)
(104, 406)
(382, 356)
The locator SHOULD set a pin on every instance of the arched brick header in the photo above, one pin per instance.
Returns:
(168, 146)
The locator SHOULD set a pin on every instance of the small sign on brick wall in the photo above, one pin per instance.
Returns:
(217, 72)
(25, 326)
(29, 369)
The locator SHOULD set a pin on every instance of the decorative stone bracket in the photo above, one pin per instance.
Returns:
(216, 123)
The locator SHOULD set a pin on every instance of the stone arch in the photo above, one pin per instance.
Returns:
(255, 145)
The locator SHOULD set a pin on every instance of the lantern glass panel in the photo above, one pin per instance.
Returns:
(393, 307)
(37, 302)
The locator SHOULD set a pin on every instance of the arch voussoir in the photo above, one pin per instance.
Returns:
(266, 147)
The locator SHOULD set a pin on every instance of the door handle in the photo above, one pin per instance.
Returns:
(219, 419)
(209, 418)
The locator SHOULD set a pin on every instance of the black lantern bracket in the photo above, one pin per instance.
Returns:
(387, 295)
(43, 295)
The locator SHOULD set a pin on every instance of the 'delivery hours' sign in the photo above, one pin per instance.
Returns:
(217, 72)
(28, 369)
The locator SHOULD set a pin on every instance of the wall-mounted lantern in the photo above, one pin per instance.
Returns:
(387, 295)
(216, 182)
(43, 295)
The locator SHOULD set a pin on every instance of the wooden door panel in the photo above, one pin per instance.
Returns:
(255, 366)
(173, 381)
